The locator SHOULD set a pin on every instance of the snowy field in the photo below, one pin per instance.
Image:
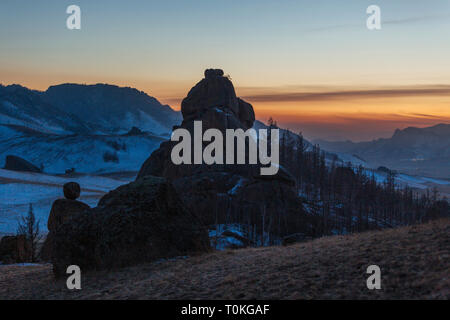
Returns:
(20, 189)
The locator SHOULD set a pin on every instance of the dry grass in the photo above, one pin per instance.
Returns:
(414, 264)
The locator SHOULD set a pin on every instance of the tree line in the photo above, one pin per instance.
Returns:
(350, 199)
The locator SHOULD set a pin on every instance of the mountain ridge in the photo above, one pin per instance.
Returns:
(417, 151)
(84, 109)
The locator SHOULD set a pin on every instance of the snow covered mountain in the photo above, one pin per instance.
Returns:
(416, 151)
(26, 109)
(84, 109)
(82, 126)
(110, 109)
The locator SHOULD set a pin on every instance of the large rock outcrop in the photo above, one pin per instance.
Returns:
(15, 163)
(223, 194)
(212, 101)
(138, 222)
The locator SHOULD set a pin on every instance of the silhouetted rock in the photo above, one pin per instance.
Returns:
(18, 164)
(211, 92)
(220, 193)
(71, 190)
(138, 222)
(211, 73)
(221, 197)
(62, 211)
(212, 101)
(15, 249)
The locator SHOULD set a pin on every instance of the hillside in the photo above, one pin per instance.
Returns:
(415, 151)
(86, 127)
(84, 109)
(86, 153)
(112, 109)
(414, 264)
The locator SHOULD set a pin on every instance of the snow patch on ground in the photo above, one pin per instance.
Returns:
(20, 189)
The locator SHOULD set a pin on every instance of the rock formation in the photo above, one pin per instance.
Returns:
(164, 213)
(18, 164)
(212, 101)
(223, 193)
(62, 210)
(138, 222)
(71, 190)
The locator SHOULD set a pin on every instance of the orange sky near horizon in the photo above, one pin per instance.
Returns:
(356, 113)
(320, 112)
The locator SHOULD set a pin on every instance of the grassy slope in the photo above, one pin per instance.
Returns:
(414, 263)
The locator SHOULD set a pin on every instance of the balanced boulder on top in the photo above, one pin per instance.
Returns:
(71, 190)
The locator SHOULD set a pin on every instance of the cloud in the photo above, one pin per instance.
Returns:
(402, 21)
(391, 92)
(415, 19)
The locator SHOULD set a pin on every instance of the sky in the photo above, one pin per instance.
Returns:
(312, 65)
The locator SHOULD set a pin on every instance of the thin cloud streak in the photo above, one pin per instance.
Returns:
(437, 90)
(409, 20)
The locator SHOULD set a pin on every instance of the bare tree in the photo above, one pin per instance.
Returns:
(29, 227)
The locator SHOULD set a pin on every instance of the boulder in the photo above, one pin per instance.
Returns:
(211, 73)
(139, 222)
(211, 92)
(18, 164)
(15, 249)
(71, 190)
(62, 210)
(212, 101)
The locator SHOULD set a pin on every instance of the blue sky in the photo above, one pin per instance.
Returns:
(162, 47)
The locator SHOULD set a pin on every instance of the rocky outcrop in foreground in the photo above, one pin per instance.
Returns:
(139, 222)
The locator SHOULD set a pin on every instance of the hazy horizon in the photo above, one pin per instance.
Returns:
(312, 66)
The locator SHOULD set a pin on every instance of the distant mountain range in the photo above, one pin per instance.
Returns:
(84, 109)
(417, 151)
(86, 127)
